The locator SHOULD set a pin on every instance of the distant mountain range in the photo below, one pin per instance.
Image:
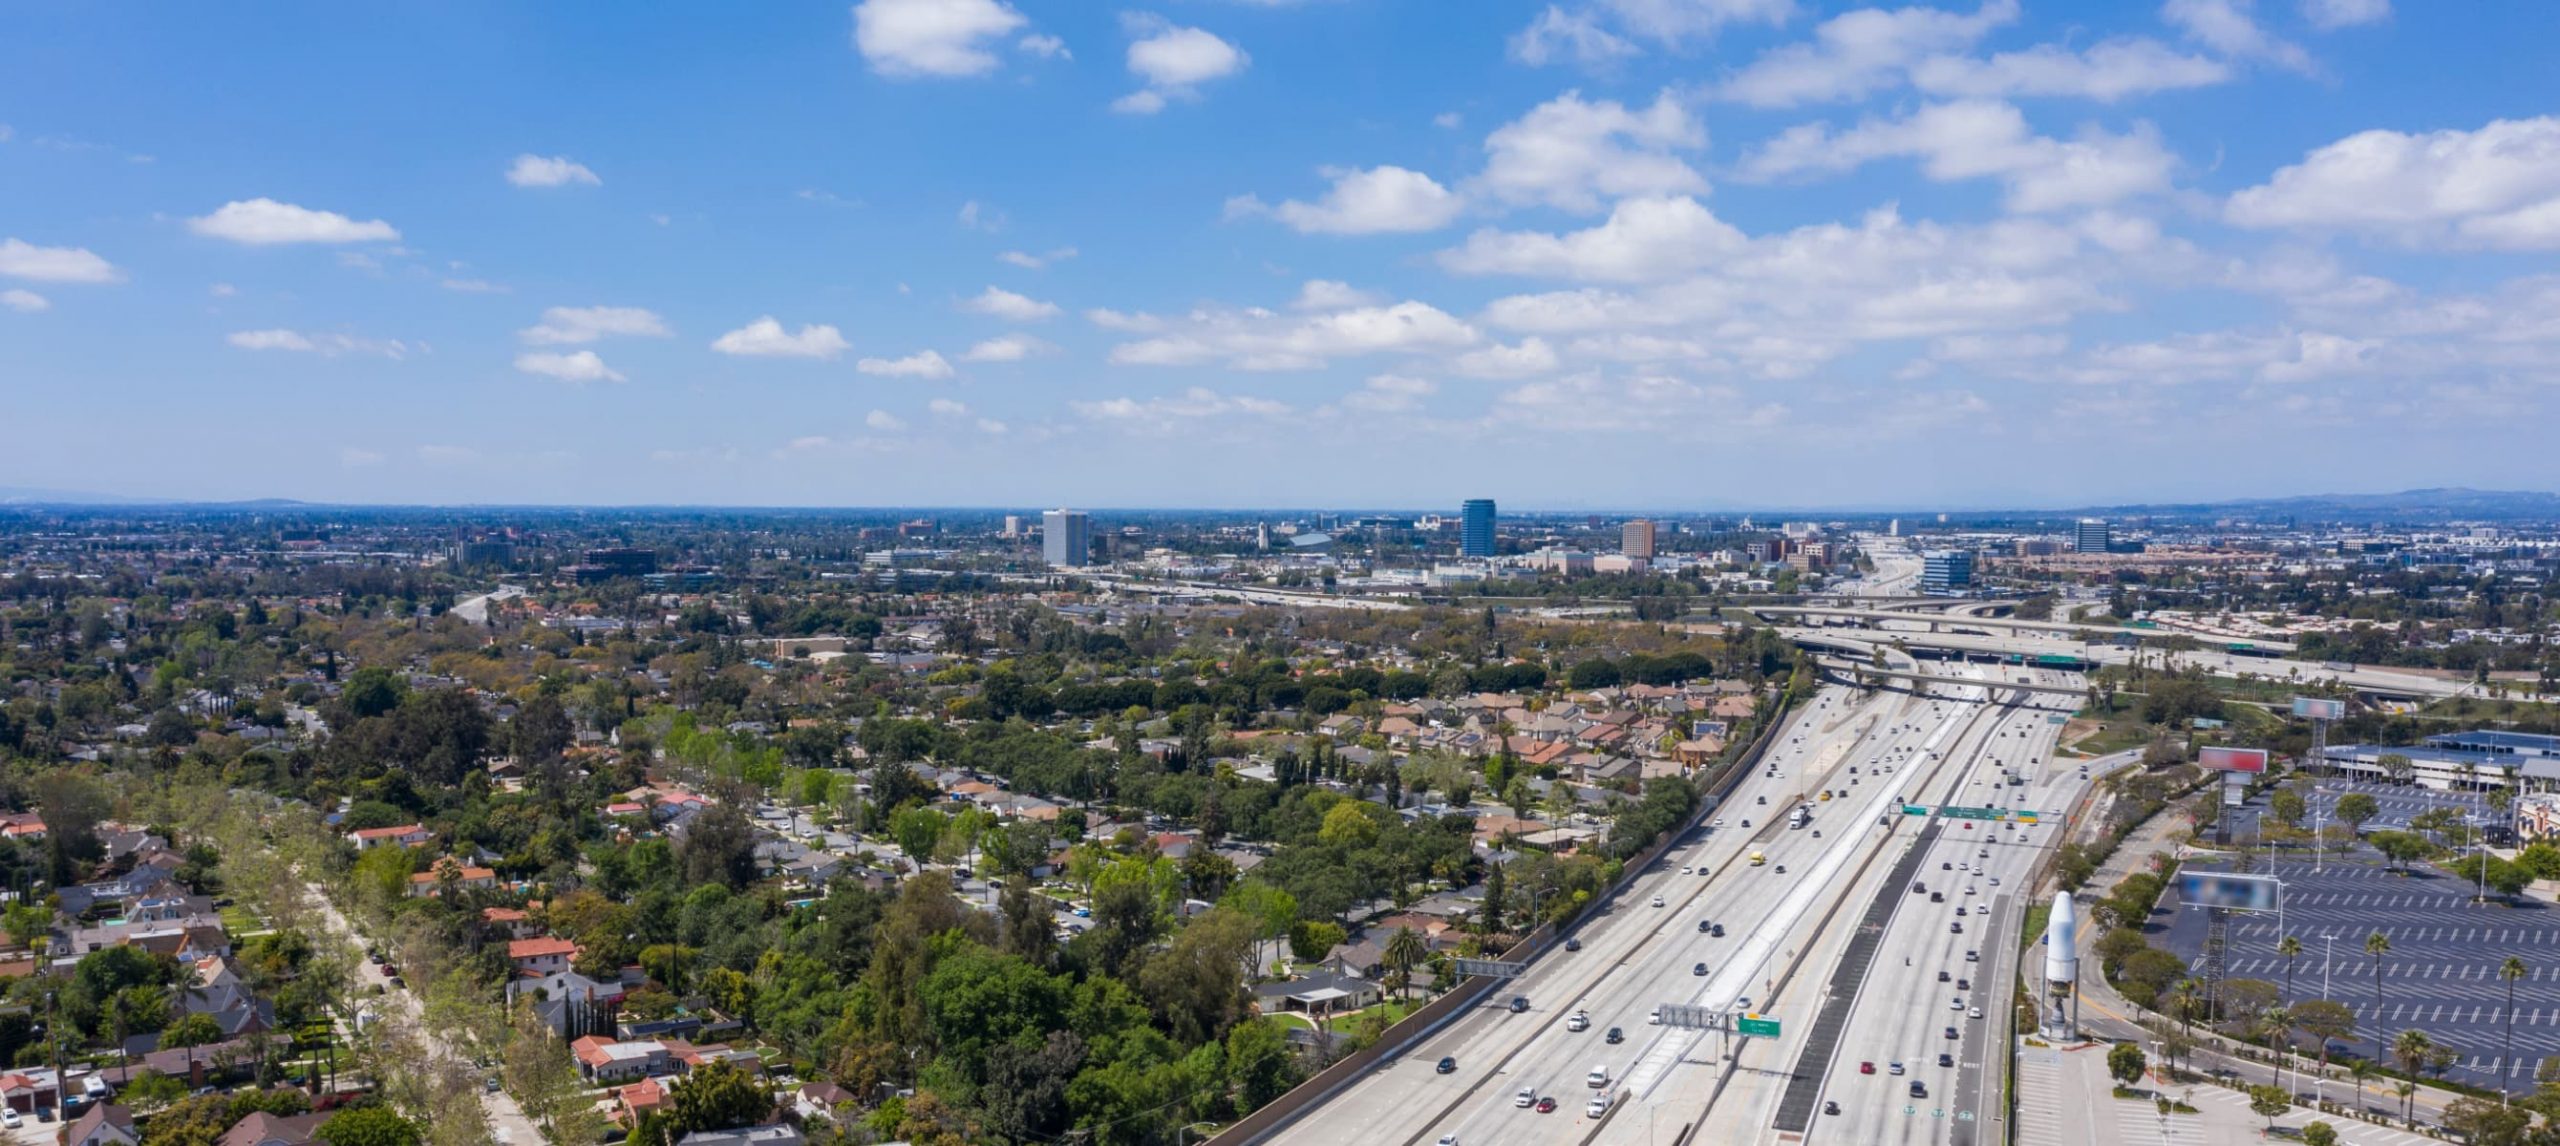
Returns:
(22, 495)
(2450, 504)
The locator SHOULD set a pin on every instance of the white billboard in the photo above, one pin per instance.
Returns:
(2319, 708)
(2230, 891)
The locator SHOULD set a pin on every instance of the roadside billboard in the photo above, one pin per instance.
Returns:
(2319, 708)
(2229, 891)
(2233, 759)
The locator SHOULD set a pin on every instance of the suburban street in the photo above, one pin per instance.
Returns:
(508, 1124)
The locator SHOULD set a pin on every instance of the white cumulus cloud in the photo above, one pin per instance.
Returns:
(2497, 187)
(932, 38)
(1859, 52)
(766, 338)
(262, 222)
(884, 420)
(1005, 348)
(549, 171)
(1172, 62)
(1258, 339)
(324, 344)
(2231, 28)
(580, 366)
(1365, 201)
(1973, 139)
(24, 301)
(576, 324)
(1572, 153)
(2107, 71)
(1601, 32)
(1005, 304)
(24, 260)
(2332, 14)
(921, 364)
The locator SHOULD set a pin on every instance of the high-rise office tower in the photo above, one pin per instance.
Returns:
(1635, 538)
(2093, 536)
(1475, 530)
(1066, 538)
(1946, 571)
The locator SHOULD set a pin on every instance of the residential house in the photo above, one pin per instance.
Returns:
(263, 1129)
(541, 956)
(431, 882)
(28, 1088)
(819, 1100)
(567, 1002)
(404, 835)
(516, 920)
(642, 1097)
(602, 1059)
(1316, 992)
(105, 1124)
(769, 1134)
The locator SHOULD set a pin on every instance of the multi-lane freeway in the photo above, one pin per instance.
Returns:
(1944, 971)
(1785, 899)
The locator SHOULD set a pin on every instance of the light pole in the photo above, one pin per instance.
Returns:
(2328, 947)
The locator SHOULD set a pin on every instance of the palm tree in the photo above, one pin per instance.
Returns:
(2377, 945)
(2412, 1048)
(1405, 950)
(2510, 971)
(2278, 1025)
(2185, 996)
(2291, 949)
(2360, 1070)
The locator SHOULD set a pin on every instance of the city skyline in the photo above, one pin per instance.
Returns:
(1007, 252)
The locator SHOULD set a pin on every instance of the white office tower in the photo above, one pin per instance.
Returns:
(2062, 967)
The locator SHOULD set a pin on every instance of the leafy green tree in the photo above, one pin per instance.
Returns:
(368, 1126)
(2355, 809)
(917, 830)
(2286, 807)
(2267, 1101)
(197, 1121)
(1312, 939)
(372, 691)
(2486, 1122)
(2326, 1021)
(719, 847)
(2318, 1133)
(716, 1096)
(2125, 1063)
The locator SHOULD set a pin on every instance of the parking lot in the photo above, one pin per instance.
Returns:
(2398, 802)
(2440, 976)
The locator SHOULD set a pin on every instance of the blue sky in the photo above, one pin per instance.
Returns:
(1603, 253)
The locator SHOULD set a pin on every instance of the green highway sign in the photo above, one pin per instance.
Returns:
(2028, 817)
(1755, 1025)
(1961, 812)
(1915, 809)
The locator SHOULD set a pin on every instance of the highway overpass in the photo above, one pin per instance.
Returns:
(2015, 625)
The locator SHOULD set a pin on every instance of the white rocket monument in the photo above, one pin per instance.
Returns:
(2062, 967)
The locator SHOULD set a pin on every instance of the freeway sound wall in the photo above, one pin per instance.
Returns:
(1262, 1125)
